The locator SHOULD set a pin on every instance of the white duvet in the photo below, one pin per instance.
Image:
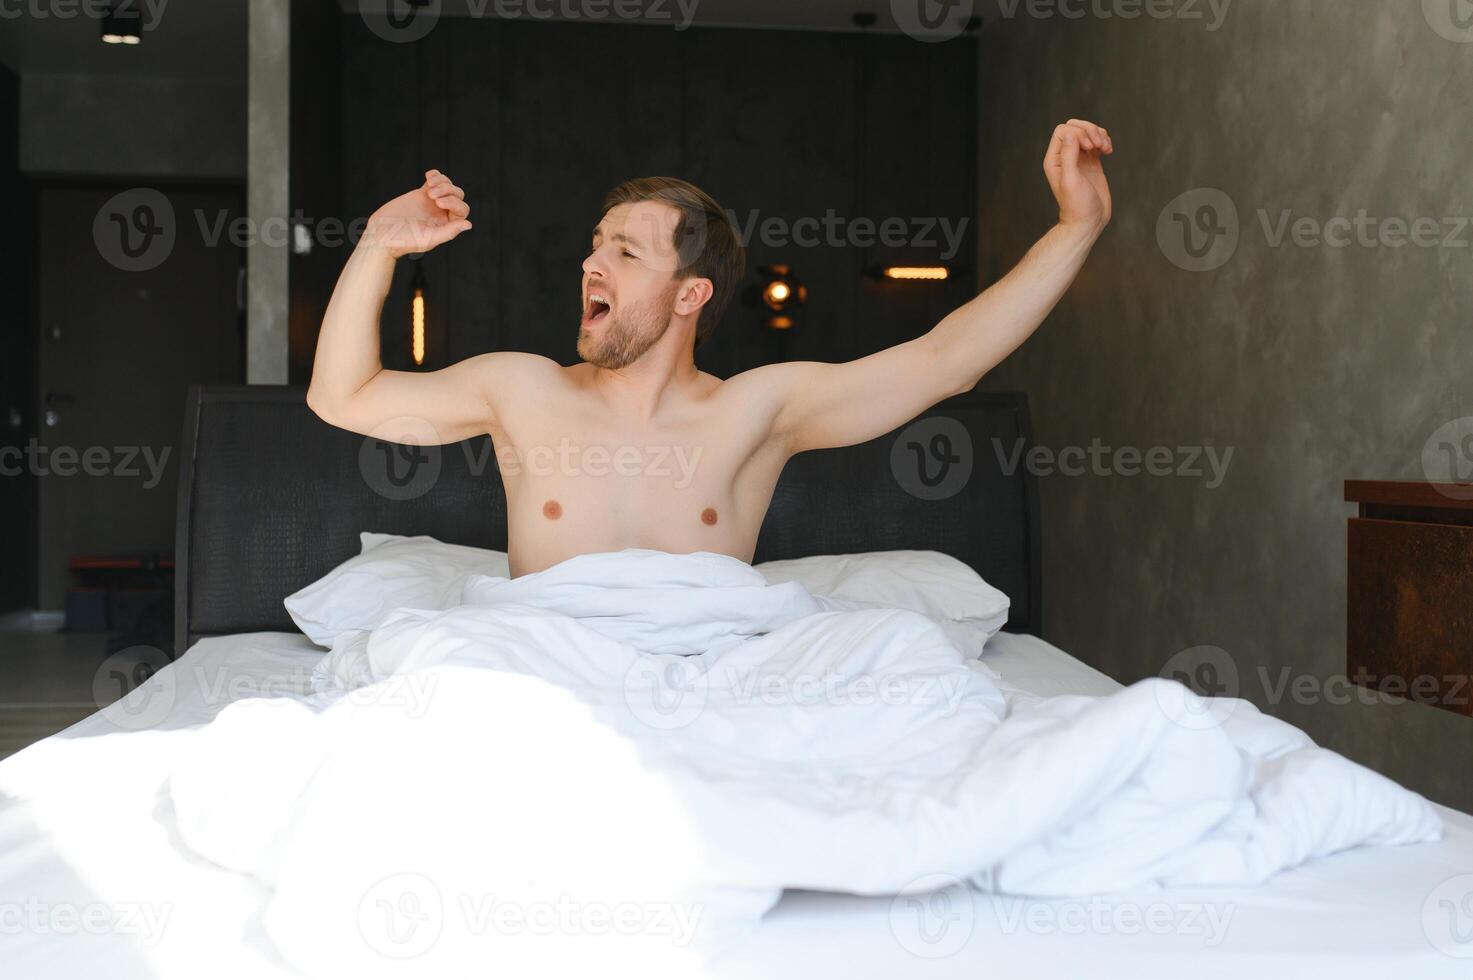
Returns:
(617, 764)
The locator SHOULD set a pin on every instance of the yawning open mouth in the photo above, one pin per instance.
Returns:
(598, 307)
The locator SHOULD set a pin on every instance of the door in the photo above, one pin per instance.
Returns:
(138, 297)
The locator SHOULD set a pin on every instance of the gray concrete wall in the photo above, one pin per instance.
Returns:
(93, 125)
(1313, 363)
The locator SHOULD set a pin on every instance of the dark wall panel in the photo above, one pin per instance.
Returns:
(383, 156)
(771, 134)
(316, 171)
(537, 121)
(476, 141)
(18, 333)
(586, 106)
(919, 164)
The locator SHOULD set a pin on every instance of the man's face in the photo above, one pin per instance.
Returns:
(629, 284)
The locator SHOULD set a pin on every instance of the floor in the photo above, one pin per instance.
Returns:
(48, 679)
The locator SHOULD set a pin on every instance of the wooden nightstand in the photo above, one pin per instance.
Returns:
(1409, 602)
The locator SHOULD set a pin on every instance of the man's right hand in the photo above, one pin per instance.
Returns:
(427, 216)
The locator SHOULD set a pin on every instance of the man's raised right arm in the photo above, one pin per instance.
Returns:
(350, 388)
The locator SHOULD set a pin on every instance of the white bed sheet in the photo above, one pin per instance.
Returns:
(91, 885)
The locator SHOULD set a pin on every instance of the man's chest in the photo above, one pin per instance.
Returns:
(581, 472)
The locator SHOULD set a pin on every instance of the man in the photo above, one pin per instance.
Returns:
(634, 447)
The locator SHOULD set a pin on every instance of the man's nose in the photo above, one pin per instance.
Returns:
(594, 264)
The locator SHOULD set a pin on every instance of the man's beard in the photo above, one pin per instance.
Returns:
(628, 334)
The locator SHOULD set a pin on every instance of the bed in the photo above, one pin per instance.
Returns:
(92, 884)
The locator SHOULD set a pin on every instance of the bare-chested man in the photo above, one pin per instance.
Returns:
(634, 447)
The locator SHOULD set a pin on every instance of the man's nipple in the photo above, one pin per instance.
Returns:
(708, 516)
(552, 510)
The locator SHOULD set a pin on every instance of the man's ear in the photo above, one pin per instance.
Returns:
(692, 295)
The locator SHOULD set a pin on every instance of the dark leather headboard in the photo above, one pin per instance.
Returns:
(272, 498)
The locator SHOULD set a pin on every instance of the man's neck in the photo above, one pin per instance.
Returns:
(640, 391)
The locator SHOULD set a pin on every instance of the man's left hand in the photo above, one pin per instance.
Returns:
(1076, 175)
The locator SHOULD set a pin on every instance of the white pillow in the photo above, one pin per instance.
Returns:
(933, 584)
(390, 571)
(422, 573)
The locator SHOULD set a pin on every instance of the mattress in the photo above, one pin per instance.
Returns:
(93, 885)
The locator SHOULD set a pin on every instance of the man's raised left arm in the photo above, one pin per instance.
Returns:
(824, 405)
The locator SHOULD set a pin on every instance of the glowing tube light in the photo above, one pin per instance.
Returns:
(930, 273)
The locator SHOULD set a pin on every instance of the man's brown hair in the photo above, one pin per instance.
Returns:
(705, 241)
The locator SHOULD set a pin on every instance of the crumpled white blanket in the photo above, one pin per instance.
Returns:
(618, 763)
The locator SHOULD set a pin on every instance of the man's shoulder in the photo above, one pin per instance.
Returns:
(515, 368)
(507, 379)
(766, 382)
(519, 360)
(765, 375)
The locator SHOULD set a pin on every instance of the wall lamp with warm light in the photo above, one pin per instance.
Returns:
(782, 295)
(122, 23)
(909, 273)
(417, 289)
